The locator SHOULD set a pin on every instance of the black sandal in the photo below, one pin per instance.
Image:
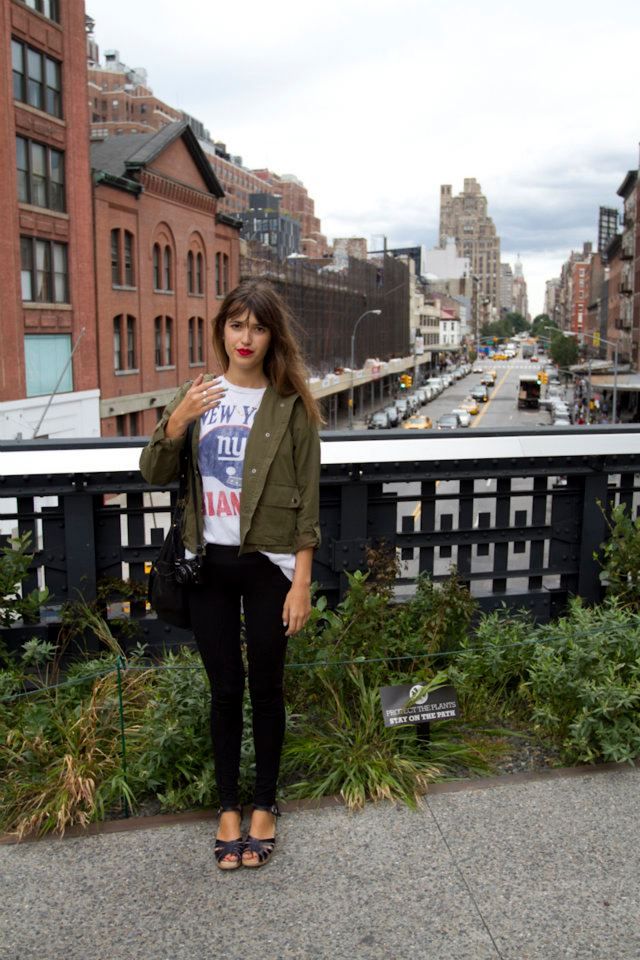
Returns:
(261, 848)
(225, 848)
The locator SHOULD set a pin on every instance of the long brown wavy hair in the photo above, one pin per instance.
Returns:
(283, 363)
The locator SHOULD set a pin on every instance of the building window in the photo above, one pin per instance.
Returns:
(129, 274)
(122, 259)
(124, 343)
(225, 273)
(199, 273)
(190, 272)
(44, 274)
(218, 274)
(46, 359)
(115, 258)
(163, 335)
(166, 269)
(156, 267)
(196, 340)
(127, 424)
(40, 174)
(36, 79)
(48, 8)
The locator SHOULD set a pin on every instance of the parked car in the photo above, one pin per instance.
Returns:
(419, 422)
(437, 384)
(447, 379)
(448, 421)
(379, 421)
(393, 414)
(480, 393)
(463, 416)
(477, 368)
(421, 394)
(403, 408)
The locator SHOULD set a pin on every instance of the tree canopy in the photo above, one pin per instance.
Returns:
(563, 350)
(507, 326)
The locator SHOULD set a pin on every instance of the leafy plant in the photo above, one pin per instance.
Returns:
(621, 558)
(15, 561)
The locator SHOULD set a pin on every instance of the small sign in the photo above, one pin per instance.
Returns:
(440, 704)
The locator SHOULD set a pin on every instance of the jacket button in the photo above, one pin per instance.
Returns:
(282, 404)
(253, 470)
(267, 435)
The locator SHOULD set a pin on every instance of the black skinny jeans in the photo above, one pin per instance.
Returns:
(215, 618)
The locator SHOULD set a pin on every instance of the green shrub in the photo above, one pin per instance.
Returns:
(621, 558)
(577, 681)
(15, 561)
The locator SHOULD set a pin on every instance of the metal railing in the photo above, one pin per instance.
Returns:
(521, 514)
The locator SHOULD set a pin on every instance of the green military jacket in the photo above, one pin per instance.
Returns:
(279, 505)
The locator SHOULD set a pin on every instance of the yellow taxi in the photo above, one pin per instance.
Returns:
(418, 422)
(471, 406)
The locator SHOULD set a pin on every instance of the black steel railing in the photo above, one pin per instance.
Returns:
(521, 514)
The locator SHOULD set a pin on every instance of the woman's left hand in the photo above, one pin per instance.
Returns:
(296, 610)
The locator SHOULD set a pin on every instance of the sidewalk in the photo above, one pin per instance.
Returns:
(530, 867)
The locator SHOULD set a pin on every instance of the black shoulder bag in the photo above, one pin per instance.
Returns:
(172, 574)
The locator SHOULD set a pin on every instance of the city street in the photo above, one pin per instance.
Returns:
(501, 410)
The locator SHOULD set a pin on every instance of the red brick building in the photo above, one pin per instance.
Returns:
(120, 101)
(165, 259)
(580, 279)
(47, 298)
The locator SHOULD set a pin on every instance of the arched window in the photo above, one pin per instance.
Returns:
(190, 272)
(156, 267)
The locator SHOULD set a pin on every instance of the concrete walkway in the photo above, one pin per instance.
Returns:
(527, 868)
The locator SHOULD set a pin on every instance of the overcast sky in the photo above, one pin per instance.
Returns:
(373, 104)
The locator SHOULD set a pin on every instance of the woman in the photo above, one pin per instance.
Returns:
(255, 522)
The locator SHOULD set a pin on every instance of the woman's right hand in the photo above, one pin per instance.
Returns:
(199, 398)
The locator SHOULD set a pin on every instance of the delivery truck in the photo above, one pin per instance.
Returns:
(528, 392)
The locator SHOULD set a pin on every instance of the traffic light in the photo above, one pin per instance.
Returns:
(406, 381)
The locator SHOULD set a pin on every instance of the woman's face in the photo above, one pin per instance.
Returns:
(246, 342)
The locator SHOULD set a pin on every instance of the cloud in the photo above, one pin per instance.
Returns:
(373, 105)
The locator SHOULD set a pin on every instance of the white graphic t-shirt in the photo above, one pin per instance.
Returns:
(224, 432)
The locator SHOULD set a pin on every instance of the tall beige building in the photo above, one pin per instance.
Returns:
(465, 218)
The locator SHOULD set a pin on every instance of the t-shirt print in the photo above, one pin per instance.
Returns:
(224, 432)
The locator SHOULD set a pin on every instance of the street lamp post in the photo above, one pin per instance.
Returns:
(353, 345)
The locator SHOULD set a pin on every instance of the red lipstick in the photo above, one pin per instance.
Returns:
(245, 353)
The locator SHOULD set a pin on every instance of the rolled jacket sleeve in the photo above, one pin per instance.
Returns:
(160, 459)
(306, 458)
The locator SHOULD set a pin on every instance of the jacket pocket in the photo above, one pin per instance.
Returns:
(274, 520)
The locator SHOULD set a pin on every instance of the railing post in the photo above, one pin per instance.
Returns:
(353, 530)
(594, 531)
